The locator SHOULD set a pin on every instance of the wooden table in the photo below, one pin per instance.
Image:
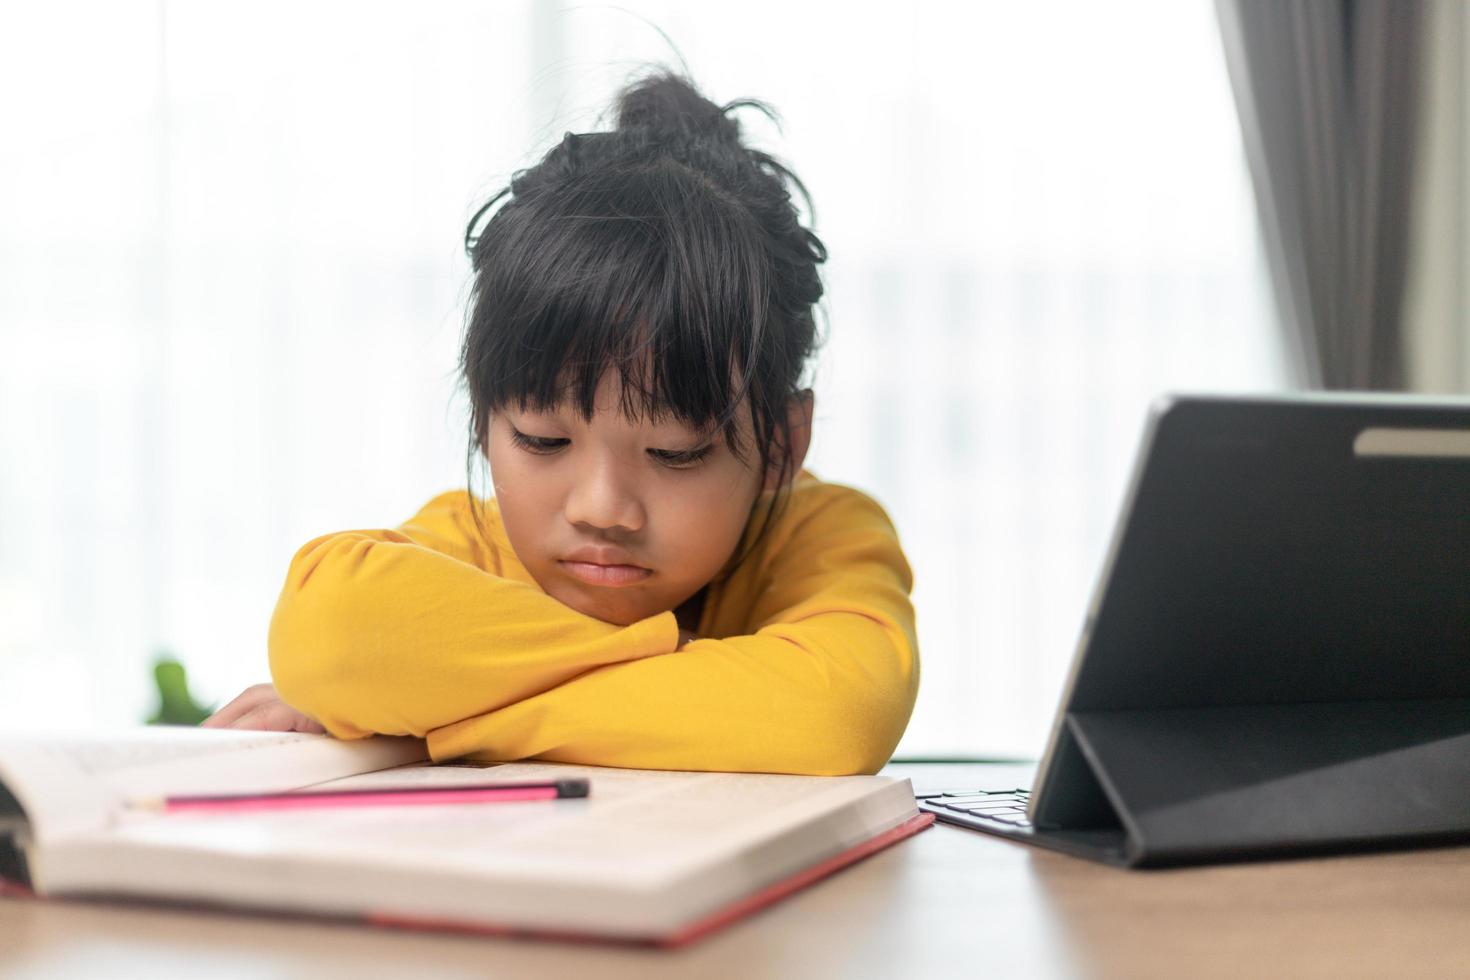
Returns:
(950, 901)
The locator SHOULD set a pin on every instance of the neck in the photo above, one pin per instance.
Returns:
(688, 614)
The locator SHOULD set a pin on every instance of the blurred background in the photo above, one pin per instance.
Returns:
(232, 286)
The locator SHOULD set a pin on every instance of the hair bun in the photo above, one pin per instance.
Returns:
(668, 104)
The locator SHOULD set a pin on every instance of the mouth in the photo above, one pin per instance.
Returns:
(610, 575)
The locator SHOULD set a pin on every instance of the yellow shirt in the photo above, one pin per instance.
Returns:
(807, 663)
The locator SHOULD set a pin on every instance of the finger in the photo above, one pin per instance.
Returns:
(256, 720)
(277, 717)
(310, 726)
(246, 701)
(272, 717)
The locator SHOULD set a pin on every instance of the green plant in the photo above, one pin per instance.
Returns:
(176, 706)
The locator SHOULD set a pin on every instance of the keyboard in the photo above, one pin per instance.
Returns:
(1001, 806)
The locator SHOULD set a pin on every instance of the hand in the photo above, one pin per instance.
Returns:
(685, 638)
(260, 708)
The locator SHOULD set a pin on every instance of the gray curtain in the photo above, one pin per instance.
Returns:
(1328, 96)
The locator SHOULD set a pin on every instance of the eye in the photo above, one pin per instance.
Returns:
(536, 444)
(687, 459)
(679, 460)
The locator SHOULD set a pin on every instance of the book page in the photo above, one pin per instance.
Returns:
(646, 851)
(67, 783)
(672, 821)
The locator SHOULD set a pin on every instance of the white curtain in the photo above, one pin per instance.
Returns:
(232, 285)
(1437, 301)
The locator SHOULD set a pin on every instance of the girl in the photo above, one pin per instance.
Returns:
(657, 582)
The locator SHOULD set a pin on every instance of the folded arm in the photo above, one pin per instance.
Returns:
(380, 632)
(824, 686)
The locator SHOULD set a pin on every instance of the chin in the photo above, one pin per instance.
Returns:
(605, 611)
(618, 619)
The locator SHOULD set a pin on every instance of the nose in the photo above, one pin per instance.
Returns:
(606, 498)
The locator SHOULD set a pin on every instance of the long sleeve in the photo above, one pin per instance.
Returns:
(824, 685)
(400, 632)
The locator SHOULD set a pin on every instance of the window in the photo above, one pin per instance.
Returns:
(234, 290)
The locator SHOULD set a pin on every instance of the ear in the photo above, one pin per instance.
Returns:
(799, 420)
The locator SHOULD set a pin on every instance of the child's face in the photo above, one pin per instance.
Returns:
(599, 487)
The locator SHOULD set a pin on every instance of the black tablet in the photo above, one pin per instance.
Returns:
(1277, 655)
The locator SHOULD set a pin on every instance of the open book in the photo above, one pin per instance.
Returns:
(649, 856)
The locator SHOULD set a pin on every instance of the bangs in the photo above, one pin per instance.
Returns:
(654, 272)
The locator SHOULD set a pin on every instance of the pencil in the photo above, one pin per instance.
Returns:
(375, 796)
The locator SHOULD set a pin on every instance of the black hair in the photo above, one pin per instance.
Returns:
(665, 240)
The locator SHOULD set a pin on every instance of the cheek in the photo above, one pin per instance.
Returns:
(515, 488)
(510, 467)
(716, 507)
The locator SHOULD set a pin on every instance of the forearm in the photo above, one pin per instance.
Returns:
(830, 695)
(374, 634)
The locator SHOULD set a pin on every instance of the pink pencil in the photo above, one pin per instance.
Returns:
(381, 796)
